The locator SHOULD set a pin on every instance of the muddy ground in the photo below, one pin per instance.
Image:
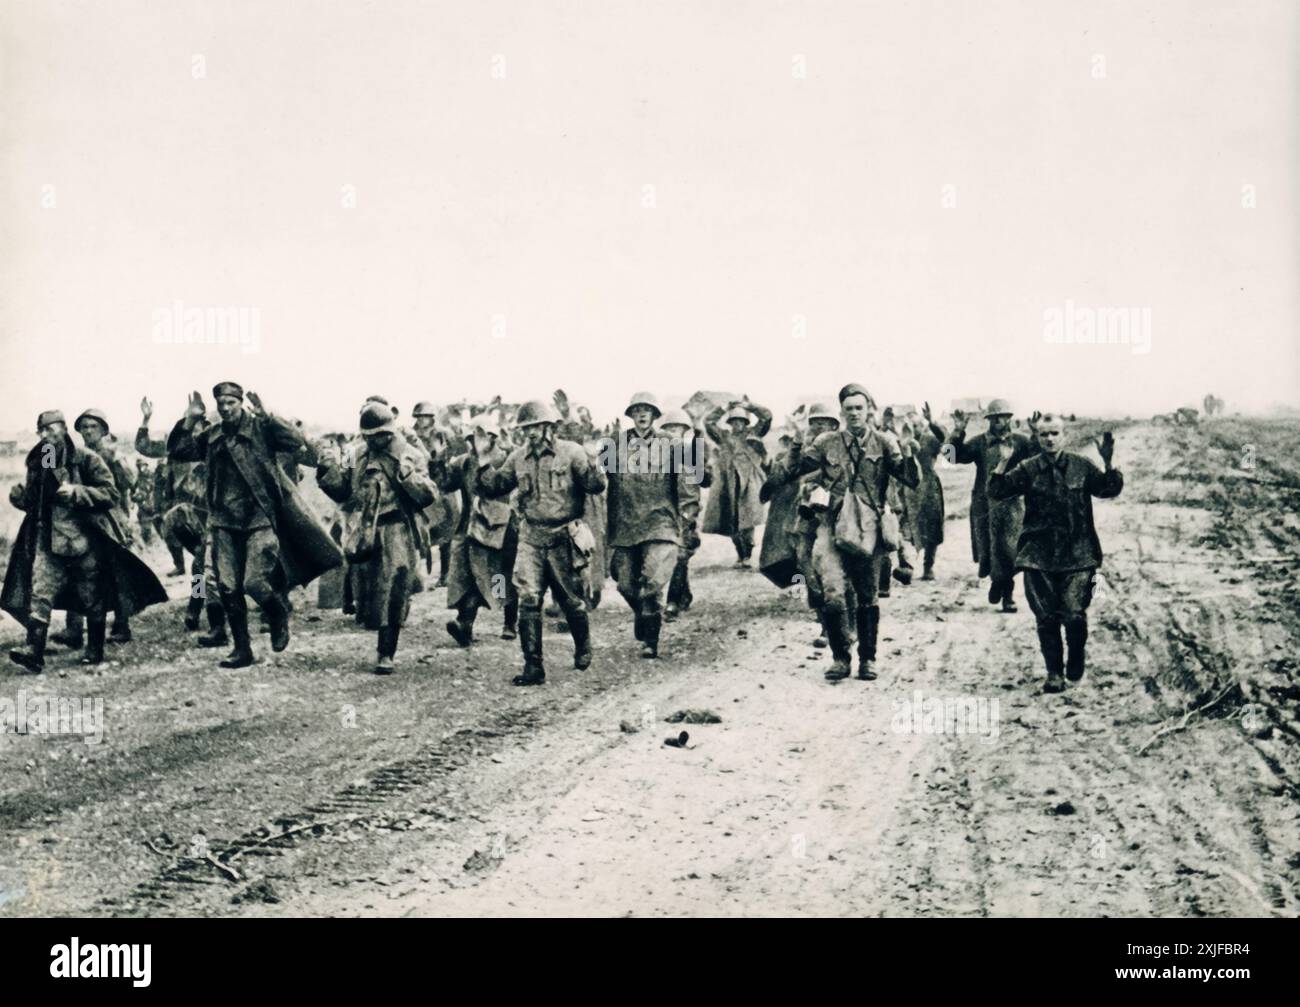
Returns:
(307, 786)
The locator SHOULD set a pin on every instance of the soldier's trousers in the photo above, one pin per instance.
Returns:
(246, 562)
(1059, 598)
(744, 542)
(52, 574)
(548, 563)
(642, 572)
(843, 576)
(803, 561)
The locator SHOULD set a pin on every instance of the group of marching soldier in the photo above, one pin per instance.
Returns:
(517, 503)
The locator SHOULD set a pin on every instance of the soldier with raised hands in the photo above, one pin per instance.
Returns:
(1058, 549)
(264, 538)
(653, 495)
(994, 526)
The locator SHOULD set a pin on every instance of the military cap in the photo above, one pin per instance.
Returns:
(227, 388)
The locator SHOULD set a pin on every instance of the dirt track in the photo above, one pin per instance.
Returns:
(445, 791)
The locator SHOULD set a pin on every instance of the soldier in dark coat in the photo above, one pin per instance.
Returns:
(995, 528)
(264, 538)
(553, 477)
(925, 507)
(92, 425)
(443, 515)
(389, 480)
(652, 495)
(778, 559)
(740, 466)
(184, 509)
(1059, 550)
(487, 538)
(71, 550)
(680, 426)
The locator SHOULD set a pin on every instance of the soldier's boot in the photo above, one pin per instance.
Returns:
(903, 571)
(444, 563)
(650, 627)
(1076, 636)
(530, 642)
(193, 610)
(927, 571)
(178, 561)
(349, 603)
(868, 630)
(509, 627)
(74, 633)
(387, 650)
(995, 591)
(1009, 595)
(32, 656)
(820, 642)
(276, 611)
(886, 568)
(837, 635)
(216, 635)
(638, 620)
(121, 631)
(580, 627)
(1049, 642)
(461, 628)
(241, 655)
(96, 626)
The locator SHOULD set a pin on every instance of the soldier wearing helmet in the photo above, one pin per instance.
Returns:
(734, 507)
(821, 418)
(553, 478)
(693, 448)
(486, 541)
(444, 514)
(994, 525)
(652, 495)
(388, 479)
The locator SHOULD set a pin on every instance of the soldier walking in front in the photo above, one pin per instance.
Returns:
(263, 537)
(679, 425)
(1059, 550)
(653, 495)
(553, 478)
(853, 466)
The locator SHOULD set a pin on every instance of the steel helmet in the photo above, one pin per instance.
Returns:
(92, 414)
(676, 418)
(998, 407)
(738, 413)
(643, 399)
(537, 411)
(823, 411)
(424, 409)
(377, 418)
(485, 423)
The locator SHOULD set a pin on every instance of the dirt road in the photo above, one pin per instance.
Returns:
(306, 785)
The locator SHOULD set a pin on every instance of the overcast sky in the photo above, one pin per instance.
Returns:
(439, 200)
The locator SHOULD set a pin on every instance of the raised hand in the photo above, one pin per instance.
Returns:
(925, 412)
(959, 419)
(255, 403)
(1106, 447)
(146, 410)
(195, 408)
